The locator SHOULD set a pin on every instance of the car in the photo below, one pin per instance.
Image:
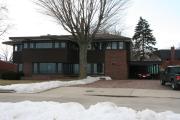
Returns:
(144, 76)
(171, 75)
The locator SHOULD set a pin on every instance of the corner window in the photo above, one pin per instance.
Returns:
(18, 47)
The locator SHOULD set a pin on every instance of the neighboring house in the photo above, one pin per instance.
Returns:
(50, 57)
(6, 66)
(169, 57)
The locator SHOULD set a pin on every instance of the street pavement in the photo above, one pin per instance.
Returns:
(138, 99)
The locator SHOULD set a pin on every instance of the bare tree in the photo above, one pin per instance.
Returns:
(5, 54)
(3, 18)
(83, 19)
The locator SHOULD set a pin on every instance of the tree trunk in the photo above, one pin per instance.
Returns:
(83, 61)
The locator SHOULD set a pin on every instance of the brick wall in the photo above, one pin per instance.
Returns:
(5, 66)
(166, 63)
(116, 65)
(27, 69)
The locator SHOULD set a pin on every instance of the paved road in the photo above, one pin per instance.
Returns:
(138, 99)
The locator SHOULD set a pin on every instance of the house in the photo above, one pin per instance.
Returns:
(6, 66)
(169, 57)
(50, 57)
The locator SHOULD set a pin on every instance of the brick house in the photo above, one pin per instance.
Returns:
(6, 66)
(50, 57)
(169, 57)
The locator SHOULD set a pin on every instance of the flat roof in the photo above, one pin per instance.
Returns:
(98, 38)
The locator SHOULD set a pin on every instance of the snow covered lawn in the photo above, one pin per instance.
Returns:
(39, 87)
(28, 110)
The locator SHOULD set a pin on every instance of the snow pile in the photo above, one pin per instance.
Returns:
(39, 87)
(74, 111)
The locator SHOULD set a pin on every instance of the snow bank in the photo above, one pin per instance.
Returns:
(74, 111)
(39, 87)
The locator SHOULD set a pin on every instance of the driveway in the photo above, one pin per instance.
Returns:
(136, 84)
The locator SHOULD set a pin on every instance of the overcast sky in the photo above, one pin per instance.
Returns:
(162, 15)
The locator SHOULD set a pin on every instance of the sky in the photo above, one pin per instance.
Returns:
(162, 15)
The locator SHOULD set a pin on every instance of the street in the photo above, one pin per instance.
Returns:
(138, 99)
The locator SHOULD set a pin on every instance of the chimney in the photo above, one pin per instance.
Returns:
(172, 53)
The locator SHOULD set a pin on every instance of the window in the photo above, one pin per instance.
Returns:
(56, 45)
(89, 68)
(95, 68)
(121, 45)
(20, 67)
(108, 46)
(89, 47)
(18, 47)
(114, 45)
(62, 45)
(31, 45)
(25, 45)
(76, 68)
(15, 48)
(44, 45)
(47, 67)
(35, 68)
(60, 68)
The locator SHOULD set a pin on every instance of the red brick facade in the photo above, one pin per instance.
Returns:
(171, 61)
(5, 66)
(116, 64)
(27, 69)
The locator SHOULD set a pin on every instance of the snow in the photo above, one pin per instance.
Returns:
(28, 110)
(39, 87)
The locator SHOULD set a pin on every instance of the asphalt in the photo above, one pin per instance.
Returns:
(138, 99)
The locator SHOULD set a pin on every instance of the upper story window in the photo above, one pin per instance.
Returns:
(60, 45)
(56, 44)
(114, 45)
(25, 45)
(121, 45)
(31, 45)
(18, 47)
(44, 45)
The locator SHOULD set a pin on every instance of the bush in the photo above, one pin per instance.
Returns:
(10, 75)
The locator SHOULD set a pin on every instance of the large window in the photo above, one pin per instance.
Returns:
(44, 45)
(95, 68)
(47, 67)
